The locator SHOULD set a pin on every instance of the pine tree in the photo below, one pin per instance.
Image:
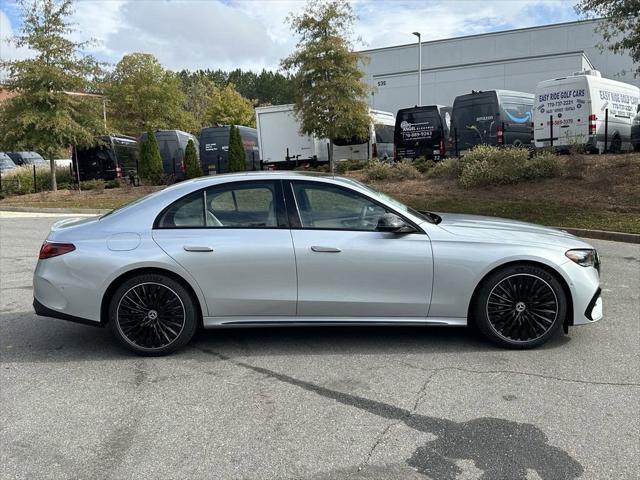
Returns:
(236, 158)
(44, 116)
(150, 168)
(191, 163)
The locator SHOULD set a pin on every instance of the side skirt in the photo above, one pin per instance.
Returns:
(228, 322)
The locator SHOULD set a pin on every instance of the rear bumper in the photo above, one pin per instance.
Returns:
(44, 311)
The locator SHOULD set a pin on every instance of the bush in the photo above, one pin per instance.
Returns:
(236, 158)
(115, 183)
(191, 163)
(423, 165)
(377, 170)
(344, 166)
(93, 185)
(20, 180)
(405, 170)
(447, 168)
(486, 165)
(150, 166)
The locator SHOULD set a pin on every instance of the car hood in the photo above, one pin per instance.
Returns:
(504, 230)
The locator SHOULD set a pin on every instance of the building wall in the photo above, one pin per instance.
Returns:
(514, 60)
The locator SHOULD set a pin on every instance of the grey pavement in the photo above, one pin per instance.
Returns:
(316, 403)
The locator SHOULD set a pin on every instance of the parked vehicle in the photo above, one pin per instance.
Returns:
(214, 148)
(6, 164)
(114, 156)
(635, 132)
(422, 132)
(28, 158)
(172, 144)
(379, 143)
(577, 111)
(331, 250)
(282, 145)
(492, 117)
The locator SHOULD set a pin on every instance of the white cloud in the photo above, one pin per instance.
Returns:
(8, 50)
(253, 34)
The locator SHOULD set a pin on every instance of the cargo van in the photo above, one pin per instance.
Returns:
(379, 143)
(422, 132)
(582, 110)
(113, 157)
(172, 144)
(214, 148)
(492, 117)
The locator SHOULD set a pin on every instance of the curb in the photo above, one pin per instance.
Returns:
(89, 211)
(579, 232)
(603, 235)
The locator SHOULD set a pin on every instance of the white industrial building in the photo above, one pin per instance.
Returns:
(512, 60)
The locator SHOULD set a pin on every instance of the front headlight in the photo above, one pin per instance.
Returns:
(584, 257)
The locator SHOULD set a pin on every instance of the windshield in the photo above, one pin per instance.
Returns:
(398, 205)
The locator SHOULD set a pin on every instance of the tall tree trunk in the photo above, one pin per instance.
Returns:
(331, 165)
(54, 183)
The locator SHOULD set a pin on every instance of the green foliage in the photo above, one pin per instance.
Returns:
(378, 170)
(225, 106)
(486, 165)
(329, 91)
(20, 180)
(97, 184)
(197, 92)
(447, 168)
(620, 26)
(143, 95)
(44, 117)
(344, 166)
(405, 170)
(150, 165)
(423, 165)
(236, 158)
(191, 162)
(109, 184)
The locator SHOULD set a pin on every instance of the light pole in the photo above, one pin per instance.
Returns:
(417, 34)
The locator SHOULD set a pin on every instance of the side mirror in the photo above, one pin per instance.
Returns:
(392, 223)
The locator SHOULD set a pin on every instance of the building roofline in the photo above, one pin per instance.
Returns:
(477, 35)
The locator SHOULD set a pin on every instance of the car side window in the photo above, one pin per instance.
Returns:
(186, 212)
(325, 206)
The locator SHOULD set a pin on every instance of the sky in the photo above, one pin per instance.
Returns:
(253, 34)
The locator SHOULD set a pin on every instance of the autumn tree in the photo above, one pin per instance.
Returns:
(329, 91)
(143, 95)
(46, 116)
(620, 25)
(227, 107)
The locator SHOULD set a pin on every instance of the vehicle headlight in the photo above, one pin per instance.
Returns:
(584, 257)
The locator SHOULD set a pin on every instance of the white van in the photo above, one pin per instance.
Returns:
(576, 110)
(379, 144)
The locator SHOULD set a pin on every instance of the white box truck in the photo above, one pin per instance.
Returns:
(582, 110)
(283, 146)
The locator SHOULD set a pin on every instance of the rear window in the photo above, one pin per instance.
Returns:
(384, 133)
(473, 112)
(517, 109)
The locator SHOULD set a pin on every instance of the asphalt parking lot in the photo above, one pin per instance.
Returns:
(367, 403)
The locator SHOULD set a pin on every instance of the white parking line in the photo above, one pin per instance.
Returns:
(4, 214)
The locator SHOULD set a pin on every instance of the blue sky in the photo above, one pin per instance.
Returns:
(253, 34)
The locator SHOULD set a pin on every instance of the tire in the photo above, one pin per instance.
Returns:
(152, 315)
(520, 306)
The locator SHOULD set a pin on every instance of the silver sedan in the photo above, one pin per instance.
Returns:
(292, 249)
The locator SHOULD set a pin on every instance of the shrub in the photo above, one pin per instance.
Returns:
(191, 163)
(236, 158)
(486, 165)
(20, 180)
(377, 170)
(115, 183)
(344, 166)
(423, 165)
(447, 168)
(405, 170)
(150, 166)
(92, 185)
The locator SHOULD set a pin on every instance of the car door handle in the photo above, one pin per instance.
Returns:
(193, 248)
(325, 249)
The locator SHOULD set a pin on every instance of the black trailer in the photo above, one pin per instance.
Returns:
(214, 148)
(172, 145)
(114, 156)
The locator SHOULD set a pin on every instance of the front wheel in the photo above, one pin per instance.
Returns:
(152, 315)
(520, 306)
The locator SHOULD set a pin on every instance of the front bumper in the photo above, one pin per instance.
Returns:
(594, 309)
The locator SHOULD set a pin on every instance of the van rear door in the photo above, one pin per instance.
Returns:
(475, 120)
(419, 133)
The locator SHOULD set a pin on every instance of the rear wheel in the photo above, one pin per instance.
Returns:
(520, 306)
(152, 315)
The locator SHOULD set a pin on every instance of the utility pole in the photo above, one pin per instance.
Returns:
(417, 34)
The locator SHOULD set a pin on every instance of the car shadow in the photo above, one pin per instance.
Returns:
(29, 338)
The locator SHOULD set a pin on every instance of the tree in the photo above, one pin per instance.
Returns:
(330, 95)
(228, 107)
(150, 165)
(197, 91)
(143, 95)
(236, 157)
(191, 163)
(620, 27)
(43, 116)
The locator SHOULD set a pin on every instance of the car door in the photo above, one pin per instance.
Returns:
(234, 240)
(346, 268)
